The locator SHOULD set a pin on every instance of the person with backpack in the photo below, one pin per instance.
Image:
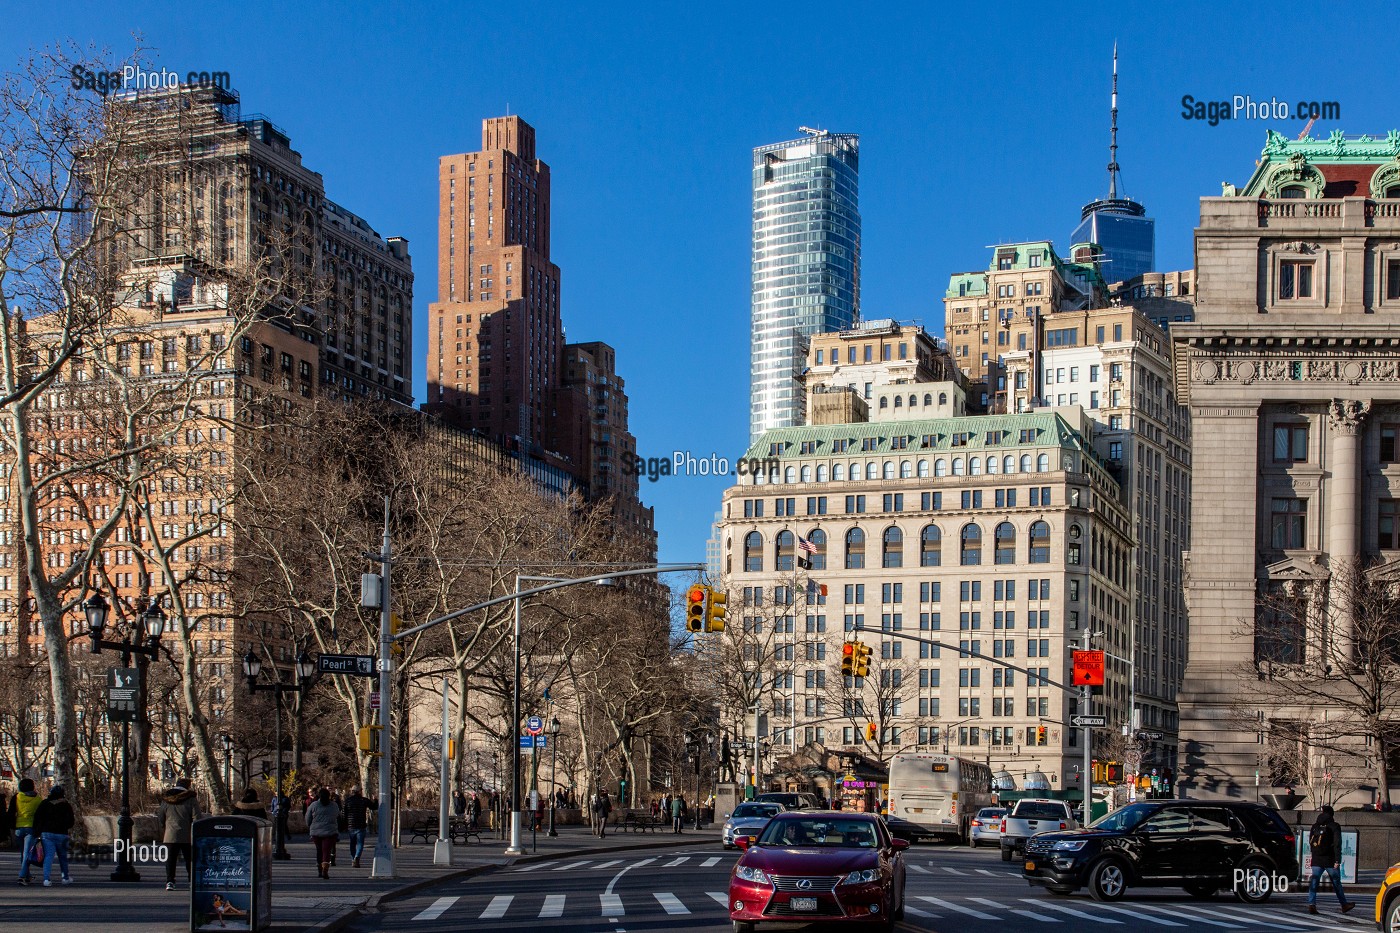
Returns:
(179, 808)
(1325, 841)
(22, 809)
(53, 821)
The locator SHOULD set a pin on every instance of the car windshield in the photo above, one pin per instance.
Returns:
(820, 832)
(1124, 819)
(1040, 811)
(756, 810)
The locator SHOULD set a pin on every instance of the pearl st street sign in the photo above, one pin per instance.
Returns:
(359, 665)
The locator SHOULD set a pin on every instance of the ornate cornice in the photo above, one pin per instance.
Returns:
(1340, 369)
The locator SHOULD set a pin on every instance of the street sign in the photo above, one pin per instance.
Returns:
(374, 700)
(123, 685)
(534, 725)
(534, 741)
(359, 665)
(1088, 669)
(1149, 736)
(1097, 721)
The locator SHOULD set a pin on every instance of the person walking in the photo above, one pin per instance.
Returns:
(1325, 841)
(459, 804)
(22, 809)
(677, 813)
(250, 805)
(602, 809)
(53, 821)
(179, 808)
(322, 818)
(357, 807)
(474, 812)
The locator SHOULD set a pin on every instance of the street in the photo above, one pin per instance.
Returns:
(948, 889)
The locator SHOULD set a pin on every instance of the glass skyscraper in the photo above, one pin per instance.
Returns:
(1125, 236)
(806, 264)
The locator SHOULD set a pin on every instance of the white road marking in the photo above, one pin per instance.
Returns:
(956, 871)
(530, 867)
(612, 906)
(920, 869)
(986, 871)
(710, 862)
(571, 865)
(679, 861)
(922, 913)
(613, 883)
(949, 905)
(553, 906)
(719, 897)
(671, 903)
(497, 908)
(1148, 917)
(1068, 910)
(436, 909)
(616, 861)
(1043, 918)
(1214, 923)
(1235, 913)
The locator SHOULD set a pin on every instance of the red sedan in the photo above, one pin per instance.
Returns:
(819, 866)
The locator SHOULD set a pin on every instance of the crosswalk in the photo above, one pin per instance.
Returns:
(920, 910)
(571, 865)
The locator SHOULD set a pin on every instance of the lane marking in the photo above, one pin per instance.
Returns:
(956, 871)
(497, 908)
(949, 905)
(612, 906)
(671, 903)
(1148, 917)
(553, 906)
(711, 862)
(720, 897)
(616, 861)
(436, 909)
(1279, 923)
(1043, 918)
(533, 867)
(1082, 915)
(927, 915)
(1214, 923)
(921, 869)
(986, 871)
(571, 865)
(679, 861)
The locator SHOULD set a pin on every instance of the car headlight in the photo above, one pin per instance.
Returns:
(756, 875)
(862, 877)
(1069, 845)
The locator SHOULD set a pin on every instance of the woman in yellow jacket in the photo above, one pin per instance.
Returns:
(22, 809)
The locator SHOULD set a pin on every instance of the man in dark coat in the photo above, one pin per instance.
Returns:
(1325, 841)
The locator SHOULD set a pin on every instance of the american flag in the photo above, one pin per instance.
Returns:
(805, 546)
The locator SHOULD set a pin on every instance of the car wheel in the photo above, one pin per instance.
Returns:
(1201, 892)
(1255, 885)
(1107, 880)
(1005, 854)
(1392, 916)
(743, 926)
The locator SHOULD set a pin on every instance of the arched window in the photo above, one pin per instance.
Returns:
(1025, 463)
(817, 558)
(892, 552)
(790, 475)
(1040, 543)
(1005, 544)
(760, 477)
(786, 548)
(974, 466)
(884, 402)
(957, 466)
(1008, 464)
(1293, 191)
(889, 469)
(940, 467)
(855, 549)
(1392, 192)
(856, 472)
(806, 473)
(838, 472)
(993, 465)
(1042, 463)
(928, 398)
(906, 469)
(923, 468)
(971, 545)
(821, 472)
(930, 547)
(943, 398)
(753, 552)
(872, 470)
(898, 402)
(913, 400)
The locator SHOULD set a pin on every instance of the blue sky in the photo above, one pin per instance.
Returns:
(979, 124)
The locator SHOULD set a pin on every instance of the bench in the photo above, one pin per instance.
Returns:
(640, 821)
(465, 832)
(426, 830)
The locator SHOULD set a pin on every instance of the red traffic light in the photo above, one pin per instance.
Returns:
(848, 648)
(696, 594)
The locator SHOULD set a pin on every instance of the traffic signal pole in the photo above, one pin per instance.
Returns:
(1086, 704)
(383, 864)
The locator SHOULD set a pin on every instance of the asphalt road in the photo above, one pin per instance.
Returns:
(949, 889)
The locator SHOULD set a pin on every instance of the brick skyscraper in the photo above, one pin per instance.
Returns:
(494, 336)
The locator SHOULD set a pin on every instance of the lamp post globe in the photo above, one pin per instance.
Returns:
(252, 666)
(306, 668)
(96, 610)
(154, 619)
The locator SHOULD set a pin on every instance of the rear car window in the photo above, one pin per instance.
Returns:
(1039, 811)
(1264, 819)
(991, 813)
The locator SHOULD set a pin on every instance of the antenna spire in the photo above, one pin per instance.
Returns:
(1113, 133)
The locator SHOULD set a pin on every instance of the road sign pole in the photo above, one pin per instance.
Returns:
(383, 865)
(442, 849)
(1088, 781)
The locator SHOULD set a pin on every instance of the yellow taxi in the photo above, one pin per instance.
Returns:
(1388, 901)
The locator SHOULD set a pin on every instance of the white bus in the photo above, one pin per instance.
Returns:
(936, 795)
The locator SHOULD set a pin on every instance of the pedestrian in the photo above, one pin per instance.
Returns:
(53, 821)
(677, 813)
(321, 819)
(179, 808)
(357, 807)
(1325, 841)
(7, 822)
(22, 809)
(474, 811)
(602, 809)
(459, 804)
(249, 804)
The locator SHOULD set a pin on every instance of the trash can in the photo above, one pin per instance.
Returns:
(232, 886)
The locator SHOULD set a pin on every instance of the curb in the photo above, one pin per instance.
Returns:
(337, 922)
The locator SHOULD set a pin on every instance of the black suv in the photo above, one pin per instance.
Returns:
(1202, 845)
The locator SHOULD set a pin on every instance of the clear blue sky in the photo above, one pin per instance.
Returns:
(980, 124)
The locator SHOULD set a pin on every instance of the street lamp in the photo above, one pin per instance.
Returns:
(143, 640)
(305, 670)
(226, 741)
(554, 729)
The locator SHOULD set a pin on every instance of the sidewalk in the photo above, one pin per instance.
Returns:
(301, 901)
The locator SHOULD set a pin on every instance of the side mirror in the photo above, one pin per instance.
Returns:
(899, 845)
(744, 842)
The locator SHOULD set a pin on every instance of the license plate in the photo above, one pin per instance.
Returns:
(1030, 866)
(803, 903)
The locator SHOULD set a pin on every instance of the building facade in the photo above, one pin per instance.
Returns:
(997, 538)
(1292, 374)
(806, 264)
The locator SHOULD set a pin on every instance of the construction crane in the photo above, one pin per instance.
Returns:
(1304, 134)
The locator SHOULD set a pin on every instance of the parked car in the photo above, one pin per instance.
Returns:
(1388, 901)
(822, 866)
(1203, 846)
(1028, 817)
(792, 801)
(748, 819)
(985, 828)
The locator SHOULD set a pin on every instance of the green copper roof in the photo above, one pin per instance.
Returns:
(974, 284)
(1050, 430)
(1336, 149)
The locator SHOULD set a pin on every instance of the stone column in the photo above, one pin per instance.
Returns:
(1342, 540)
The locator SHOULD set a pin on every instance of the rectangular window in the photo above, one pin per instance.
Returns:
(1288, 523)
(1392, 279)
(930, 501)
(1390, 450)
(1388, 525)
(1295, 280)
(1290, 443)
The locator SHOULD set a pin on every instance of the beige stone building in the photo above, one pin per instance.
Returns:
(999, 537)
(1292, 374)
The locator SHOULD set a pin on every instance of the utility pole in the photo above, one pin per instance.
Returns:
(383, 865)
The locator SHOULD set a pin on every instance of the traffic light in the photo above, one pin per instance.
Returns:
(695, 599)
(862, 660)
(1113, 773)
(1040, 735)
(1096, 772)
(848, 659)
(714, 615)
(395, 623)
(369, 740)
(871, 730)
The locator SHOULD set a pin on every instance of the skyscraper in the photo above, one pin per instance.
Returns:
(806, 264)
(1125, 237)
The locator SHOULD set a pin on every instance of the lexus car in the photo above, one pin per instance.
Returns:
(822, 866)
(748, 819)
(1203, 846)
